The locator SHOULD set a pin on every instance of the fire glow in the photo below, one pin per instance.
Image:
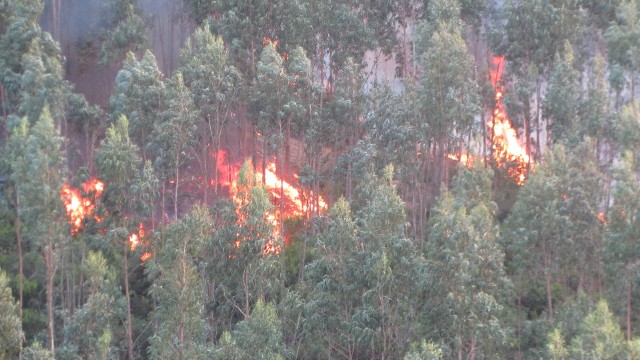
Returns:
(79, 204)
(291, 200)
(136, 239)
(507, 150)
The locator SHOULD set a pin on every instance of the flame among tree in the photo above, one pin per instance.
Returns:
(507, 150)
(289, 199)
(79, 203)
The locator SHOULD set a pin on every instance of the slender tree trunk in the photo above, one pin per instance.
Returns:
(547, 277)
(206, 175)
(629, 309)
(49, 258)
(538, 115)
(18, 227)
(281, 196)
(127, 295)
(177, 180)
(245, 284)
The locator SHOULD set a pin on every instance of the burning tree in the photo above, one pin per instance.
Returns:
(215, 86)
(252, 269)
(507, 150)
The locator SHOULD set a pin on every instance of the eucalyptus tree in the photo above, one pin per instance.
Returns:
(563, 98)
(258, 336)
(126, 30)
(11, 335)
(341, 117)
(181, 331)
(599, 337)
(447, 93)
(140, 95)
(596, 111)
(118, 164)
(359, 288)
(24, 45)
(391, 267)
(536, 230)
(39, 174)
(270, 102)
(89, 331)
(623, 43)
(334, 287)
(620, 248)
(246, 266)
(529, 34)
(174, 136)
(466, 269)
(215, 86)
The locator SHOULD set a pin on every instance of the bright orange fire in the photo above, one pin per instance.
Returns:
(504, 139)
(282, 193)
(80, 203)
(136, 239)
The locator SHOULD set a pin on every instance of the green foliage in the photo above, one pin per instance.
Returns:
(620, 249)
(181, 330)
(599, 337)
(242, 271)
(563, 98)
(118, 162)
(258, 336)
(36, 352)
(88, 333)
(468, 280)
(11, 335)
(126, 30)
(360, 298)
(139, 95)
(623, 42)
(535, 31)
(426, 351)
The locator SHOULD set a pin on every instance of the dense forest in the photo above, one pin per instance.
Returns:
(301, 179)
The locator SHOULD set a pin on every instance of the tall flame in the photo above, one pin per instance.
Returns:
(79, 203)
(507, 150)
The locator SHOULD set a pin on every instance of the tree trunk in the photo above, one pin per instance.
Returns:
(51, 271)
(177, 180)
(629, 309)
(126, 294)
(18, 227)
(547, 277)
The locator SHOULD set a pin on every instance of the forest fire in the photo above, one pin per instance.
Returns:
(136, 239)
(79, 204)
(507, 150)
(287, 198)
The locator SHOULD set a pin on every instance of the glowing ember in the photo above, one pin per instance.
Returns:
(292, 200)
(79, 204)
(506, 147)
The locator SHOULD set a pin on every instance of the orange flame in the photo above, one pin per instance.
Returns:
(79, 204)
(506, 146)
(281, 191)
(136, 239)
